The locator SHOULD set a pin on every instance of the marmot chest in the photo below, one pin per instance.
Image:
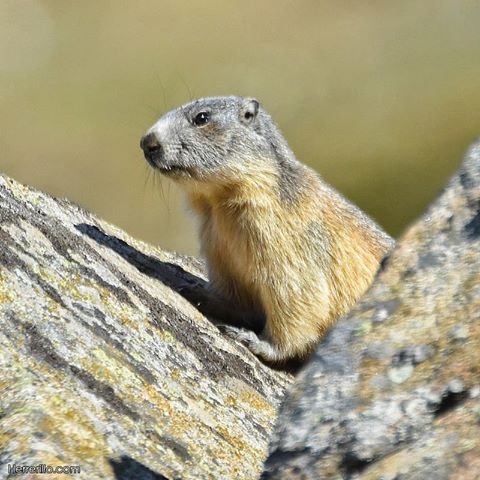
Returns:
(239, 243)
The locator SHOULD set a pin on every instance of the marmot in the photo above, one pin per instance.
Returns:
(280, 243)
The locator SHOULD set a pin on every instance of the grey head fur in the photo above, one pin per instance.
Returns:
(221, 139)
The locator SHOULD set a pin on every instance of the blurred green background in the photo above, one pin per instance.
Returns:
(381, 97)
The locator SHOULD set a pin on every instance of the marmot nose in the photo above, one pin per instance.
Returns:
(150, 145)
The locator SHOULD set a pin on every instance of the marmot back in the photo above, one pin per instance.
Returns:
(279, 242)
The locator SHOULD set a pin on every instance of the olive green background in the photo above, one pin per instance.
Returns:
(381, 97)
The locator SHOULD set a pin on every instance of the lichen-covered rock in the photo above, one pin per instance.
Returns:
(394, 390)
(104, 364)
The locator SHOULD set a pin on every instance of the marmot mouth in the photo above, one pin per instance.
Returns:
(172, 169)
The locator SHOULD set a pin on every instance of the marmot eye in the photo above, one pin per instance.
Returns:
(201, 118)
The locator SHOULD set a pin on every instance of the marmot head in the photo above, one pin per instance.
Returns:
(218, 139)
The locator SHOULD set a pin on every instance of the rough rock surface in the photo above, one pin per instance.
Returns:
(104, 364)
(394, 390)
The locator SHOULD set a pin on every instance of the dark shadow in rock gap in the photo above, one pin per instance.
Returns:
(126, 468)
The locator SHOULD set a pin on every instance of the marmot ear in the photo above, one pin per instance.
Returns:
(249, 110)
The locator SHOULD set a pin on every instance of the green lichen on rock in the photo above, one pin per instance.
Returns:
(107, 366)
(399, 399)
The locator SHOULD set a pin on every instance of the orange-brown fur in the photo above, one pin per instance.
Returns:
(254, 265)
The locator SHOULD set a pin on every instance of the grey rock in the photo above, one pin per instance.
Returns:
(106, 364)
(393, 391)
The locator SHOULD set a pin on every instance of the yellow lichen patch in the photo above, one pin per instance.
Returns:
(230, 401)
(128, 322)
(6, 295)
(70, 429)
(165, 336)
(234, 455)
(233, 440)
(162, 405)
(70, 286)
(105, 295)
(256, 401)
